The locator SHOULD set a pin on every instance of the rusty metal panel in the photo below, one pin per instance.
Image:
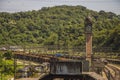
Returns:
(66, 68)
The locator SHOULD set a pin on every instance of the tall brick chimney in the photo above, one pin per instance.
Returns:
(88, 35)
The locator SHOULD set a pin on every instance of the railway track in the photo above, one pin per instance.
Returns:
(117, 72)
(110, 74)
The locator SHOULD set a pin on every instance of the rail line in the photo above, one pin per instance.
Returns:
(112, 72)
(108, 75)
(117, 72)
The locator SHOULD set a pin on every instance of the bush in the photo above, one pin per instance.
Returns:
(8, 55)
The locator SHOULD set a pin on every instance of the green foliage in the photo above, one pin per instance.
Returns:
(6, 66)
(113, 38)
(8, 55)
(1, 59)
(63, 25)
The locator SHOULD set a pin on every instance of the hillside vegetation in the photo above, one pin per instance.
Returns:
(63, 25)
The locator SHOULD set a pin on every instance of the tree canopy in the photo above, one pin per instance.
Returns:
(63, 25)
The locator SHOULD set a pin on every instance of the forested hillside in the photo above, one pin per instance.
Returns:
(63, 25)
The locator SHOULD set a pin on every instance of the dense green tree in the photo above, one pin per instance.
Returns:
(63, 25)
(8, 55)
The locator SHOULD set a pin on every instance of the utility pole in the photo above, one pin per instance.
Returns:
(14, 67)
(1, 66)
(0, 73)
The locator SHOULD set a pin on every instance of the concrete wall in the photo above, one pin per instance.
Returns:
(66, 68)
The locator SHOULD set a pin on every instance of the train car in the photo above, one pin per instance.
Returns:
(58, 55)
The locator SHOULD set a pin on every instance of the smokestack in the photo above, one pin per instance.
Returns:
(88, 35)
